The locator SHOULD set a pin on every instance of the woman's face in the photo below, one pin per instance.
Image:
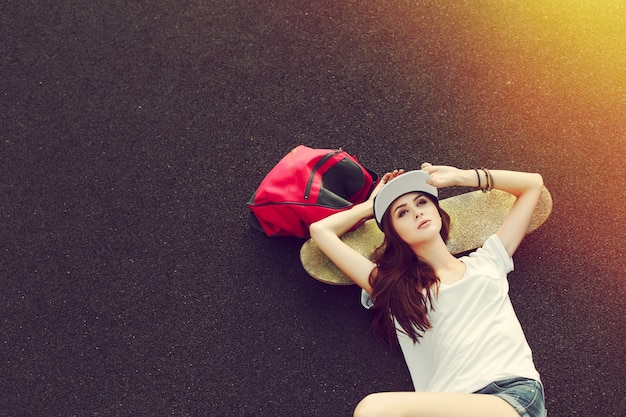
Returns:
(415, 218)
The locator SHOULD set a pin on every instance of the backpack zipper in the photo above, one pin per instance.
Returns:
(317, 166)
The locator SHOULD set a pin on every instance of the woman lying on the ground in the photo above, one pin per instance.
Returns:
(452, 317)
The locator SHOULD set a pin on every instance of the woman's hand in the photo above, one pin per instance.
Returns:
(384, 180)
(441, 175)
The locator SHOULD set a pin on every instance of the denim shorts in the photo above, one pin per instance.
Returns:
(525, 395)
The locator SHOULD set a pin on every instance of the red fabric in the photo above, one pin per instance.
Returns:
(288, 199)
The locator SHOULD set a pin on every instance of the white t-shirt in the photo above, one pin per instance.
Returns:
(475, 338)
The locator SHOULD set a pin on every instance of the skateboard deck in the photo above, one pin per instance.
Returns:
(474, 217)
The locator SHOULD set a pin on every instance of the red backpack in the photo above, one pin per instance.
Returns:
(308, 185)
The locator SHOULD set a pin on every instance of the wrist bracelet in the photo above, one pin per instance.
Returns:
(478, 176)
(489, 179)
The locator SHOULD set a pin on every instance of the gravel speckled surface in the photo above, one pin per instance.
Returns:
(133, 133)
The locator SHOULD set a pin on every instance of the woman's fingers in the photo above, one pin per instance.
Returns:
(397, 173)
(391, 175)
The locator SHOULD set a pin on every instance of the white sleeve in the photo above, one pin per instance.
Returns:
(494, 251)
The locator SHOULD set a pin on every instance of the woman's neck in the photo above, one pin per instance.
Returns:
(436, 254)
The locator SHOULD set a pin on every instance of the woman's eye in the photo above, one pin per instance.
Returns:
(402, 213)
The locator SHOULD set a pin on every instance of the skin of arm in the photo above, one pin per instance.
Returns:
(525, 186)
(326, 234)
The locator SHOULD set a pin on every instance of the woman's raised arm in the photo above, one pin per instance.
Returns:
(326, 234)
(525, 186)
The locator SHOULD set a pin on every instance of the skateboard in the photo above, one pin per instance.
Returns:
(474, 217)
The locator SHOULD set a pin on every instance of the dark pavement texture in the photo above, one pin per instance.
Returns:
(133, 133)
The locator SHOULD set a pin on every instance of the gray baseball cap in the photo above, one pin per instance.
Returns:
(412, 181)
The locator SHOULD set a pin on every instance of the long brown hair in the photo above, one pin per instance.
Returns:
(402, 285)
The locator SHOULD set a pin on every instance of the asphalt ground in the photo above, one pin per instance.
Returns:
(134, 132)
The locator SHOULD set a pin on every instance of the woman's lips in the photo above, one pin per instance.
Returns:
(423, 224)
